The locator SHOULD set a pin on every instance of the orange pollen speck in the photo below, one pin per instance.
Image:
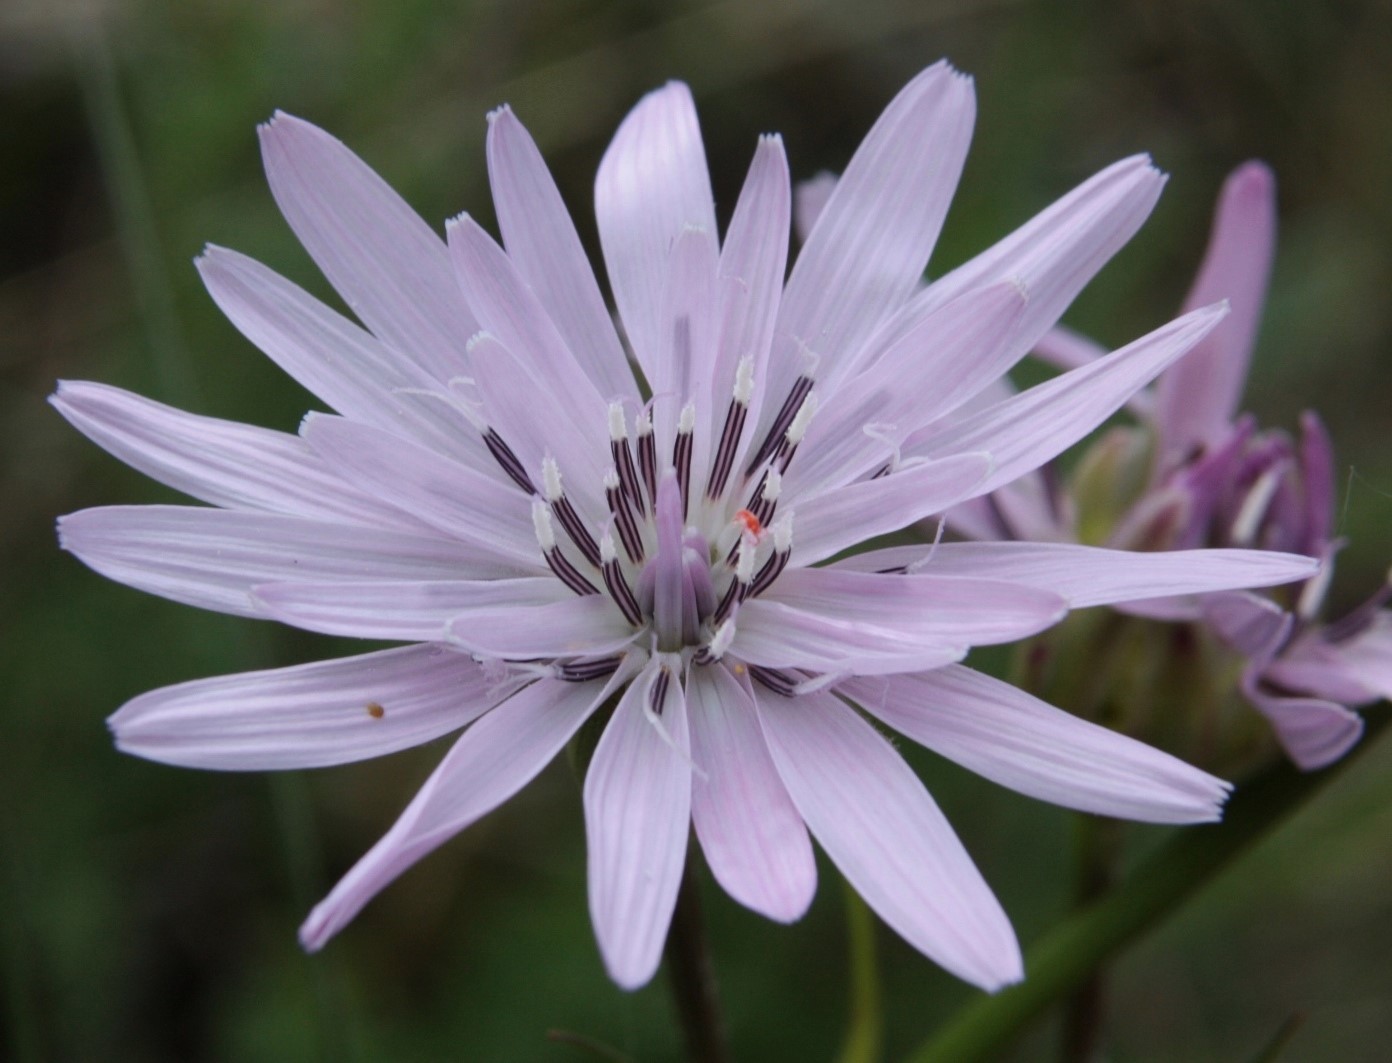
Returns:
(750, 521)
(375, 711)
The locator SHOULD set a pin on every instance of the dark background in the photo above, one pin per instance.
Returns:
(149, 913)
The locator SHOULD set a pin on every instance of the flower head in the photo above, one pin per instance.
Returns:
(1211, 478)
(555, 533)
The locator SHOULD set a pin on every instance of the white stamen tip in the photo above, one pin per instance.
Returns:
(773, 485)
(541, 522)
(687, 422)
(744, 380)
(477, 339)
(798, 428)
(618, 426)
(783, 533)
(817, 682)
(551, 479)
(720, 641)
(643, 423)
(611, 479)
(1254, 506)
(744, 567)
(607, 552)
(1313, 592)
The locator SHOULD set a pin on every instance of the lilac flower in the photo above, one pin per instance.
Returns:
(1214, 479)
(495, 492)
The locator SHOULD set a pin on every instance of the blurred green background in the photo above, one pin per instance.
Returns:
(149, 913)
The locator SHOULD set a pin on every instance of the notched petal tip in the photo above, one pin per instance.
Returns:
(502, 112)
(282, 122)
(63, 393)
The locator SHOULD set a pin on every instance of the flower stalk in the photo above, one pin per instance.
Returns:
(692, 977)
(863, 1042)
(1068, 955)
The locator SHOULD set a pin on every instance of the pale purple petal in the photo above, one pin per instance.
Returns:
(581, 627)
(508, 309)
(1027, 430)
(492, 519)
(637, 815)
(753, 261)
(1057, 252)
(754, 840)
(1020, 742)
(652, 184)
(1250, 624)
(930, 605)
(1368, 655)
(538, 422)
(872, 240)
(212, 558)
(489, 763)
(225, 463)
(883, 831)
(830, 523)
(681, 371)
(1196, 400)
(542, 242)
(1091, 575)
(774, 635)
(1354, 671)
(1313, 732)
(388, 265)
(415, 611)
(950, 356)
(309, 715)
(348, 368)
(1317, 475)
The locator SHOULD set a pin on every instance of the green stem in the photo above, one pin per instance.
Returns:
(1098, 862)
(1066, 956)
(864, 1030)
(133, 212)
(692, 979)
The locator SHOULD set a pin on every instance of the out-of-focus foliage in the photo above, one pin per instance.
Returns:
(149, 912)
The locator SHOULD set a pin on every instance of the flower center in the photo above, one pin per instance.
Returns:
(680, 546)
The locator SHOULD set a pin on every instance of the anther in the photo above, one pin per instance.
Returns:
(619, 589)
(791, 405)
(623, 456)
(738, 588)
(502, 453)
(624, 520)
(584, 671)
(796, 431)
(771, 486)
(777, 681)
(733, 430)
(647, 453)
(657, 693)
(681, 452)
(557, 561)
(778, 560)
(718, 644)
(565, 512)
